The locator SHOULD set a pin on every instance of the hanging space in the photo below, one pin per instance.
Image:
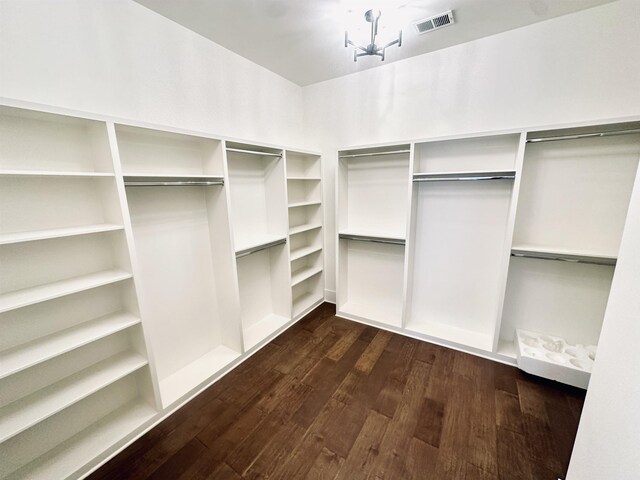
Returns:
(575, 191)
(74, 373)
(373, 196)
(182, 243)
(258, 200)
(463, 192)
(304, 194)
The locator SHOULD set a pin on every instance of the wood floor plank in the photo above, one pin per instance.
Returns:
(366, 449)
(330, 398)
(326, 466)
(373, 351)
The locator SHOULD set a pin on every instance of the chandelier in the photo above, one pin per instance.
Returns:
(371, 16)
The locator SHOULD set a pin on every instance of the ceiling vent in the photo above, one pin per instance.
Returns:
(433, 23)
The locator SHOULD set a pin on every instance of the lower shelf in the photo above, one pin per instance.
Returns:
(305, 302)
(442, 331)
(84, 447)
(187, 378)
(20, 415)
(257, 332)
(360, 311)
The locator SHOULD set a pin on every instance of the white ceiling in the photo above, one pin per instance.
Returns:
(303, 40)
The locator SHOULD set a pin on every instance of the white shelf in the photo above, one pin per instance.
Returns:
(29, 354)
(304, 228)
(453, 334)
(310, 179)
(262, 329)
(506, 349)
(571, 255)
(41, 293)
(171, 175)
(189, 377)
(304, 204)
(304, 251)
(52, 173)
(80, 449)
(306, 301)
(9, 238)
(256, 242)
(23, 414)
(361, 311)
(304, 273)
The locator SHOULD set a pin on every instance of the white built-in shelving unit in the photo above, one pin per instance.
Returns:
(304, 200)
(139, 264)
(373, 190)
(74, 369)
(181, 241)
(258, 202)
(505, 232)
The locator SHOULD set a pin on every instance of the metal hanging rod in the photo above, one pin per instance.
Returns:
(137, 181)
(356, 155)
(254, 152)
(584, 135)
(451, 177)
(257, 248)
(368, 238)
(562, 257)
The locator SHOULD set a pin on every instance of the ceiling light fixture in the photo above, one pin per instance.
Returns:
(371, 16)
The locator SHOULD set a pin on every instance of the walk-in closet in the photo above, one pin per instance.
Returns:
(319, 240)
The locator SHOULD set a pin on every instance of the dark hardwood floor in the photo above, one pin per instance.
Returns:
(331, 398)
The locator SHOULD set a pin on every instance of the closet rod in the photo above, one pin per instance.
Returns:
(584, 135)
(172, 182)
(564, 257)
(257, 248)
(367, 238)
(356, 155)
(459, 177)
(254, 152)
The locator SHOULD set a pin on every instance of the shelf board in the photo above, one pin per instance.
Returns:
(310, 179)
(442, 331)
(561, 254)
(306, 301)
(52, 173)
(304, 228)
(304, 204)
(375, 238)
(245, 247)
(49, 291)
(42, 349)
(367, 312)
(148, 180)
(74, 453)
(172, 175)
(40, 405)
(464, 176)
(303, 274)
(189, 377)
(9, 238)
(506, 349)
(304, 251)
(257, 332)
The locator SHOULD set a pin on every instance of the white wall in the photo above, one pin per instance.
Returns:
(608, 440)
(575, 68)
(118, 58)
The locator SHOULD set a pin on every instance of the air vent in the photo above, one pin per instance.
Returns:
(433, 23)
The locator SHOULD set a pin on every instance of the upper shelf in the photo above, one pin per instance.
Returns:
(262, 243)
(563, 255)
(19, 237)
(52, 173)
(143, 180)
(371, 238)
(464, 176)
